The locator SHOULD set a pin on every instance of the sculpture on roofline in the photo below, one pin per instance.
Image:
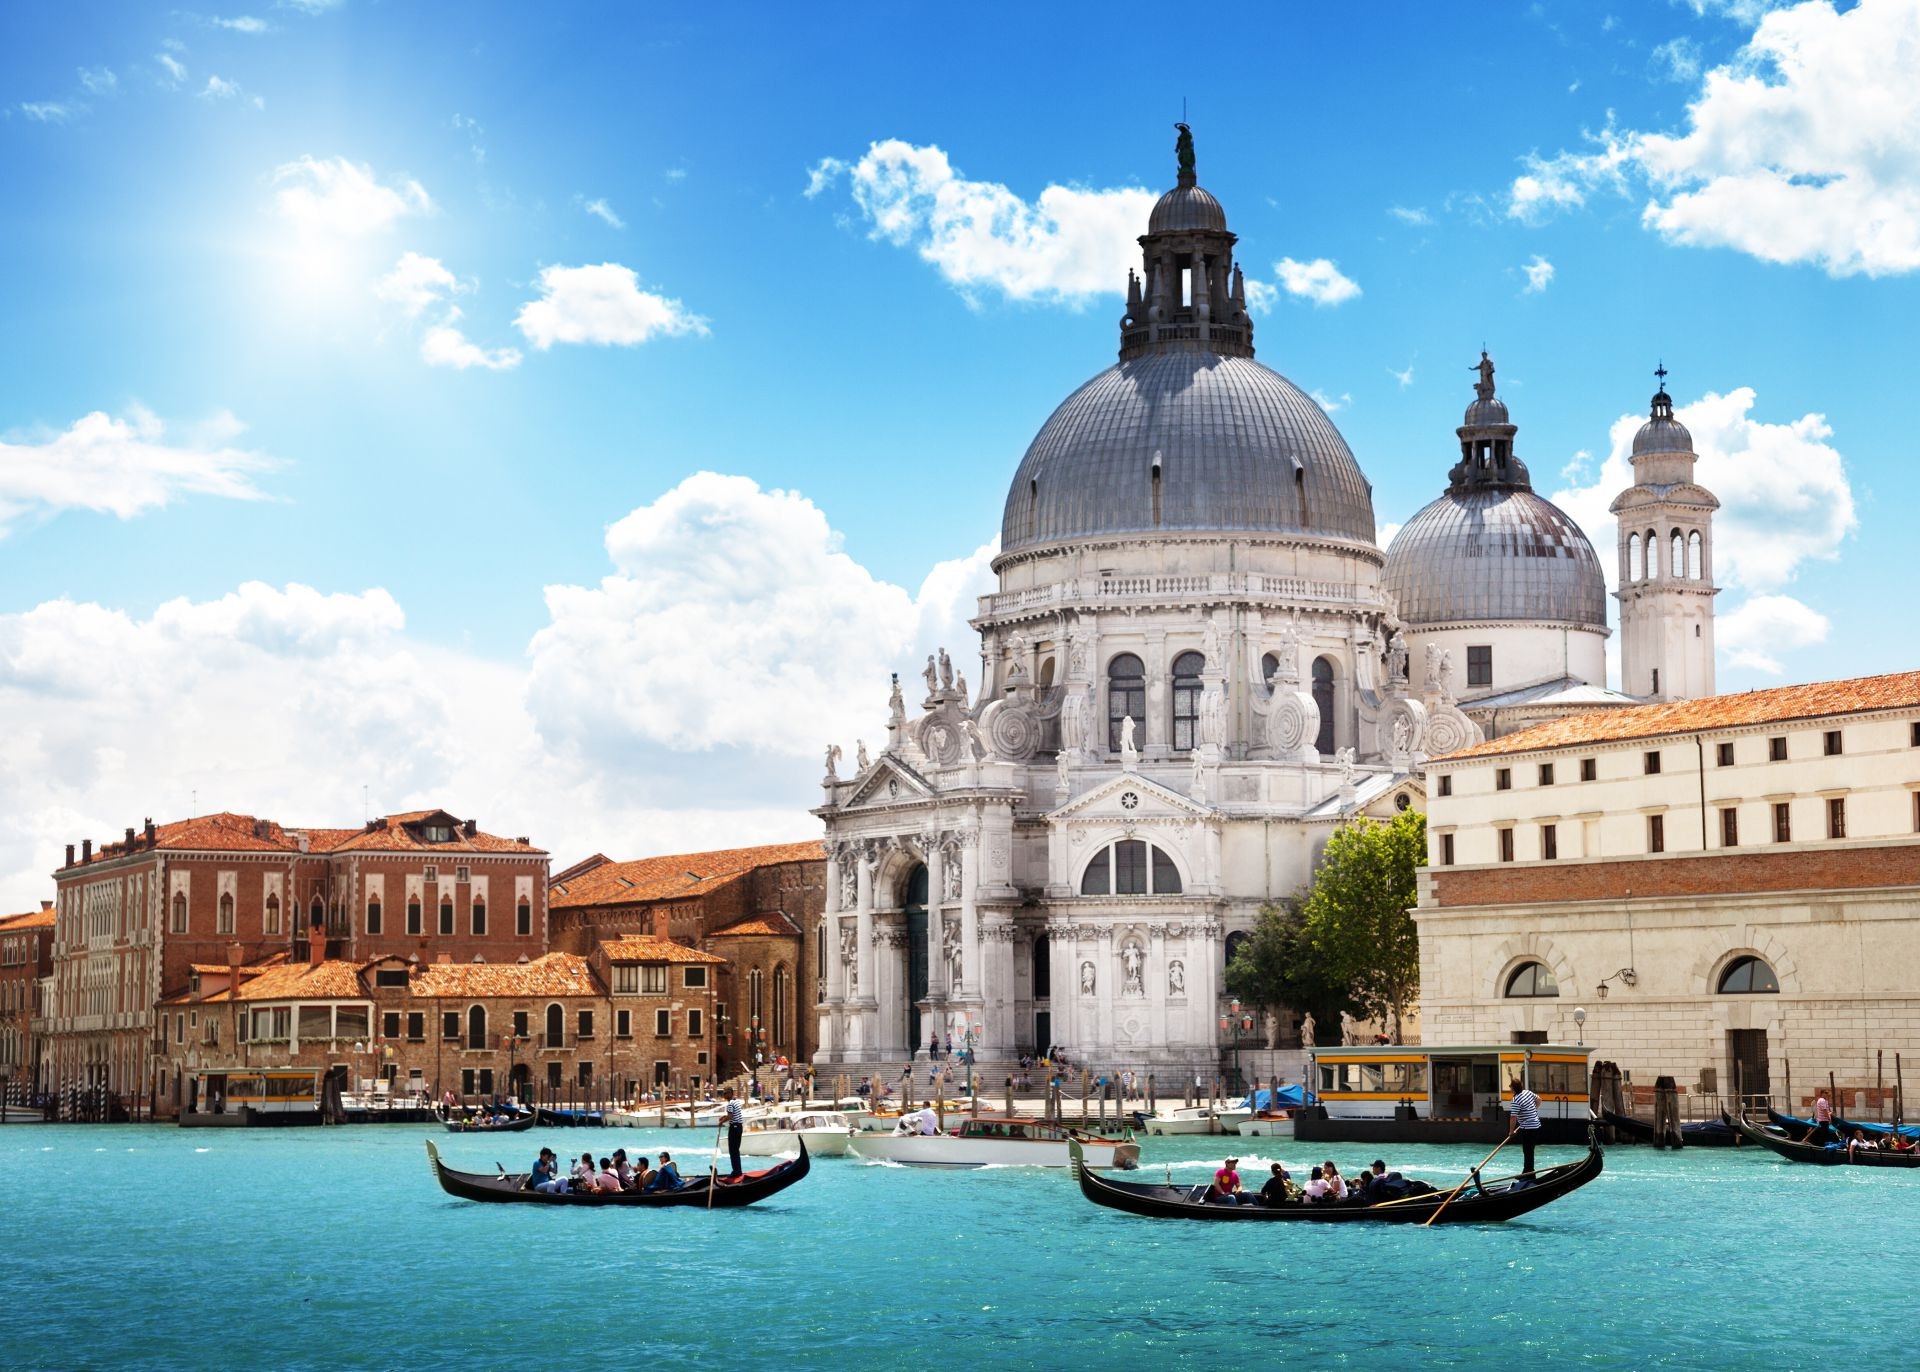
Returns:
(1183, 149)
(946, 670)
(833, 762)
(860, 757)
(1129, 755)
(933, 675)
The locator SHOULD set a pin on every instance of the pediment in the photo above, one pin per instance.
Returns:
(1109, 801)
(888, 781)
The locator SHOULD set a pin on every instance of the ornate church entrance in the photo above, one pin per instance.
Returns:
(913, 904)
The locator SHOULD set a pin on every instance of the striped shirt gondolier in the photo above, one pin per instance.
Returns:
(1526, 1109)
(735, 1118)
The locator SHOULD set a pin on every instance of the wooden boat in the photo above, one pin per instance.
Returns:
(1798, 1127)
(727, 1194)
(1182, 1119)
(1487, 1202)
(1824, 1155)
(518, 1122)
(568, 1119)
(1696, 1134)
(987, 1142)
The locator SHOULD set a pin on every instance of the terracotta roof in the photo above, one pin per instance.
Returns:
(556, 974)
(228, 832)
(774, 925)
(393, 832)
(1778, 704)
(33, 919)
(329, 980)
(675, 875)
(653, 950)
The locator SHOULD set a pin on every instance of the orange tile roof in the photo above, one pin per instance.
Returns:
(1774, 705)
(641, 949)
(555, 974)
(774, 925)
(33, 919)
(391, 833)
(673, 875)
(228, 832)
(329, 980)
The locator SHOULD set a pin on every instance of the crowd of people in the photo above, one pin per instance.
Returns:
(1325, 1185)
(611, 1175)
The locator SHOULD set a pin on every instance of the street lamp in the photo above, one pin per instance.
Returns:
(1580, 1023)
(757, 1040)
(971, 1023)
(1238, 1023)
(512, 1043)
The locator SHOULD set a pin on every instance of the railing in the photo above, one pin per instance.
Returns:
(1224, 585)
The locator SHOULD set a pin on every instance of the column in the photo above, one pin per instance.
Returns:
(997, 986)
(1106, 992)
(862, 1020)
(828, 1040)
(937, 988)
(1157, 998)
(1155, 735)
(971, 951)
(1065, 978)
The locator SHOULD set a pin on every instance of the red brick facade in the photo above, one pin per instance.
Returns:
(1711, 874)
(26, 956)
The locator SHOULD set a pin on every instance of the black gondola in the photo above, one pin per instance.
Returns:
(1799, 1127)
(486, 1124)
(727, 1195)
(1698, 1134)
(1505, 1199)
(569, 1119)
(1820, 1154)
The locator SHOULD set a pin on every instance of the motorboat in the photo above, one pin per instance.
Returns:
(825, 1132)
(1182, 1119)
(887, 1118)
(1231, 1117)
(990, 1142)
(1266, 1126)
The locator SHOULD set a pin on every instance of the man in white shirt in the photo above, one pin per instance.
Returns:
(736, 1126)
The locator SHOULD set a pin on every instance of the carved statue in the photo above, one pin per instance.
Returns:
(1433, 666)
(1344, 757)
(1062, 761)
(1306, 1030)
(1210, 646)
(950, 876)
(1176, 978)
(849, 885)
(1396, 659)
(951, 949)
(1086, 978)
(1446, 673)
(1183, 149)
(1402, 735)
(1213, 715)
(860, 758)
(933, 675)
(1484, 386)
(1287, 651)
(896, 707)
(1129, 755)
(946, 670)
(1076, 655)
(833, 762)
(976, 746)
(960, 685)
(1131, 960)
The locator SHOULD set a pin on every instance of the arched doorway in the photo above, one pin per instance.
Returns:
(913, 903)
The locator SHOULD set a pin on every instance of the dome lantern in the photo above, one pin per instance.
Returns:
(1486, 439)
(1189, 295)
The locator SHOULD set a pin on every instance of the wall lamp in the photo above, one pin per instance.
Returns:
(1626, 976)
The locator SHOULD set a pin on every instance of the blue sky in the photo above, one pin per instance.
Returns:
(610, 225)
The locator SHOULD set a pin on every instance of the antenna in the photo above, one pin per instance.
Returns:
(1183, 109)
(366, 810)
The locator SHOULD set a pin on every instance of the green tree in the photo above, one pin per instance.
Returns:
(1356, 913)
(1277, 965)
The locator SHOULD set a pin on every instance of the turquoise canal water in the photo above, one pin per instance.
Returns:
(150, 1247)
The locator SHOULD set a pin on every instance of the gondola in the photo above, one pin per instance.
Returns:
(1505, 1199)
(1841, 1126)
(480, 1124)
(569, 1119)
(727, 1195)
(1820, 1154)
(1697, 1134)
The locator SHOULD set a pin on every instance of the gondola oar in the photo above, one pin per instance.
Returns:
(1469, 1177)
(713, 1166)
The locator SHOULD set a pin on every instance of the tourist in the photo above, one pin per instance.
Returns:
(621, 1167)
(1336, 1184)
(1526, 1123)
(607, 1180)
(641, 1174)
(1279, 1188)
(1316, 1186)
(666, 1177)
(545, 1176)
(1856, 1144)
(1226, 1184)
(584, 1175)
(736, 1126)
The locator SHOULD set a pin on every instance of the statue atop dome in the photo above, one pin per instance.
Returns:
(1484, 386)
(1183, 149)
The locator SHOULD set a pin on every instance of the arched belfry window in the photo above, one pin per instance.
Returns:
(1677, 558)
(1694, 568)
(1531, 980)
(1636, 568)
(1186, 700)
(1131, 867)
(1126, 697)
(1653, 554)
(1323, 699)
(1748, 976)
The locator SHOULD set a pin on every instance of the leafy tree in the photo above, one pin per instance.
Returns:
(1356, 913)
(1277, 965)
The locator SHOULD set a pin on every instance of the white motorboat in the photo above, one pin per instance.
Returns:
(1182, 1119)
(825, 1132)
(1267, 1127)
(989, 1142)
(1230, 1117)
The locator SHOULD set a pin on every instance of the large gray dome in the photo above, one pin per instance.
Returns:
(1495, 552)
(1239, 449)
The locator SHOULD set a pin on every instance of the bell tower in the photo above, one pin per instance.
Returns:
(1666, 563)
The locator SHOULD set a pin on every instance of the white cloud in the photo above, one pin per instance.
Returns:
(1403, 377)
(1069, 245)
(1805, 148)
(1539, 274)
(241, 23)
(599, 209)
(601, 304)
(338, 197)
(1677, 59)
(52, 111)
(471, 127)
(219, 88)
(1409, 216)
(1763, 627)
(675, 173)
(311, 6)
(444, 345)
(175, 69)
(1319, 281)
(1261, 298)
(99, 80)
(417, 282)
(123, 467)
(1331, 404)
(1384, 534)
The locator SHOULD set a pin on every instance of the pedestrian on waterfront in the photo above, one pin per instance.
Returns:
(736, 1126)
(1526, 1122)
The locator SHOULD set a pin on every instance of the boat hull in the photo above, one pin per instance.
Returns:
(821, 1143)
(1817, 1154)
(944, 1150)
(1258, 1128)
(700, 1192)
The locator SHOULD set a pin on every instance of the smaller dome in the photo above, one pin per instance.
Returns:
(1662, 436)
(1185, 209)
(1486, 413)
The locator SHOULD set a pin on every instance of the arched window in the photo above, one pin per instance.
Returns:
(446, 914)
(753, 993)
(1046, 673)
(1186, 700)
(1635, 567)
(1694, 569)
(1269, 669)
(780, 1006)
(1677, 555)
(1748, 976)
(273, 914)
(1323, 698)
(375, 924)
(556, 1027)
(1130, 868)
(1235, 942)
(1126, 698)
(479, 919)
(413, 914)
(477, 1027)
(1531, 980)
(317, 913)
(523, 918)
(1653, 554)
(225, 914)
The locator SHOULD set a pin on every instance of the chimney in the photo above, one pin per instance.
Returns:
(316, 951)
(129, 838)
(69, 855)
(86, 850)
(150, 834)
(46, 905)
(470, 828)
(524, 841)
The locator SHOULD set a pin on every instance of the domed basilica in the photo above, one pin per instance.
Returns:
(1198, 663)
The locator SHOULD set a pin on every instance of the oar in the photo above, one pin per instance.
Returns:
(1469, 1177)
(713, 1166)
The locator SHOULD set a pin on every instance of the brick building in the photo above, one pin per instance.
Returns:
(136, 918)
(26, 961)
(760, 909)
(1724, 885)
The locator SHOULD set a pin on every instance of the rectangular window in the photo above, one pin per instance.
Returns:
(1782, 823)
(1549, 841)
(1656, 833)
(446, 916)
(523, 920)
(461, 874)
(450, 1025)
(1836, 817)
(1503, 779)
(1916, 812)
(431, 874)
(1724, 755)
(696, 976)
(1446, 850)
(693, 1024)
(1446, 784)
(413, 916)
(373, 917)
(626, 979)
(653, 979)
(479, 919)
(1656, 681)
(586, 1071)
(586, 1025)
(390, 976)
(623, 1024)
(486, 1081)
(1913, 735)
(663, 1023)
(390, 1024)
(179, 1028)
(1777, 749)
(1729, 828)
(1546, 774)
(1479, 664)
(520, 1024)
(1832, 743)
(466, 1081)
(1653, 762)
(1589, 769)
(1506, 845)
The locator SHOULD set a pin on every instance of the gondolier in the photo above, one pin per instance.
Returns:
(736, 1126)
(1526, 1122)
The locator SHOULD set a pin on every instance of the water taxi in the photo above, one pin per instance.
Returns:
(825, 1132)
(1434, 1093)
(253, 1096)
(991, 1142)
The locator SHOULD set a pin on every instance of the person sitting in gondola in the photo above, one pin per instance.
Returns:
(641, 1174)
(1225, 1189)
(1316, 1189)
(1279, 1189)
(1856, 1145)
(1336, 1184)
(666, 1177)
(607, 1180)
(546, 1173)
(622, 1169)
(584, 1174)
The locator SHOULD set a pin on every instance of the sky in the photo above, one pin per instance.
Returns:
(569, 415)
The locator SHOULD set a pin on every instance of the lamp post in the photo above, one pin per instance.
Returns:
(1580, 1023)
(757, 1040)
(512, 1042)
(971, 1022)
(1238, 1022)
